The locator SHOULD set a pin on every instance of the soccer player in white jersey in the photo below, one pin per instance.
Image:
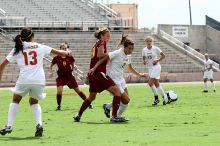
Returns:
(152, 56)
(208, 73)
(118, 60)
(29, 57)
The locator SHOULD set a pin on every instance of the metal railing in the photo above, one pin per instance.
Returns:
(108, 10)
(184, 48)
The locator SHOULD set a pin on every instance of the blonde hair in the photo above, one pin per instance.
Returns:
(100, 32)
(149, 38)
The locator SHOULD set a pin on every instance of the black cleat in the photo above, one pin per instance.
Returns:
(6, 130)
(106, 111)
(214, 90)
(90, 106)
(77, 118)
(118, 120)
(164, 103)
(58, 108)
(156, 101)
(39, 131)
(205, 91)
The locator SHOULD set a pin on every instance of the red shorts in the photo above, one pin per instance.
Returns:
(70, 81)
(99, 82)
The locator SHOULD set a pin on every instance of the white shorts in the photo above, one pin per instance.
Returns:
(35, 91)
(208, 75)
(154, 72)
(121, 84)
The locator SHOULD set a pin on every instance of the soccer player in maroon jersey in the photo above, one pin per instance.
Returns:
(65, 77)
(99, 81)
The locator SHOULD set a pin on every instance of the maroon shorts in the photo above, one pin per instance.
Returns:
(99, 82)
(70, 81)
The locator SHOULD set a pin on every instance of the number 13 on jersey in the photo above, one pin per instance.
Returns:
(33, 60)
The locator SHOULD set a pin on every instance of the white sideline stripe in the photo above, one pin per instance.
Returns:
(129, 84)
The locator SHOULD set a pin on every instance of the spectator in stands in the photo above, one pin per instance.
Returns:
(152, 56)
(29, 57)
(65, 66)
(208, 73)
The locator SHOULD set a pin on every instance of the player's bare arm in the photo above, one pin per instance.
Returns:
(2, 67)
(134, 71)
(51, 70)
(104, 58)
(162, 56)
(61, 52)
(144, 60)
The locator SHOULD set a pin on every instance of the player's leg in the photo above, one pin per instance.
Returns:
(12, 111)
(82, 95)
(161, 91)
(213, 85)
(123, 106)
(36, 109)
(154, 90)
(36, 94)
(59, 97)
(85, 105)
(205, 85)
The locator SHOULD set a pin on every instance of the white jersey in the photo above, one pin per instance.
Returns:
(151, 55)
(118, 60)
(30, 63)
(208, 63)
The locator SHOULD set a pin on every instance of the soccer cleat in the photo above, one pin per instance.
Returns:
(156, 101)
(164, 103)
(205, 91)
(214, 90)
(39, 130)
(106, 111)
(6, 130)
(118, 120)
(90, 106)
(77, 118)
(58, 108)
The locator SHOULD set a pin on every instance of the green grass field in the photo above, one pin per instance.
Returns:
(193, 121)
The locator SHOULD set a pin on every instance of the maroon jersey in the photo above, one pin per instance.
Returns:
(65, 67)
(95, 59)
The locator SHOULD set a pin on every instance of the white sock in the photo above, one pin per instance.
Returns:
(213, 86)
(162, 93)
(109, 106)
(154, 90)
(206, 86)
(37, 113)
(12, 111)
(122, 109)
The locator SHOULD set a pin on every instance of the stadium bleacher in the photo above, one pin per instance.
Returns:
(81, 44)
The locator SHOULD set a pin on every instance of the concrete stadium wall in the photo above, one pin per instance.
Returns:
(201, 37)
(213, 43)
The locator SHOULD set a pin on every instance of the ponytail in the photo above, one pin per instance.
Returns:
(18, 45)
(125, 41)
(26, 35)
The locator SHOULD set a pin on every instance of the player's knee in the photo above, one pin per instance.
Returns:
(33, 101)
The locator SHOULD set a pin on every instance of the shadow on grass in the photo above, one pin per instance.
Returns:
(18, 138)
(99, 123)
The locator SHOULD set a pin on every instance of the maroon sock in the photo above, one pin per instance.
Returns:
(84, 106)
(115, 105)
(59, 98)
(82, 95)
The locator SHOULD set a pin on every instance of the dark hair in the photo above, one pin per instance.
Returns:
(100, 32)
(67, 44)
(26, 35)
(125, 41)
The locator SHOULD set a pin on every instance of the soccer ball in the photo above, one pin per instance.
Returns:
(172, 96)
